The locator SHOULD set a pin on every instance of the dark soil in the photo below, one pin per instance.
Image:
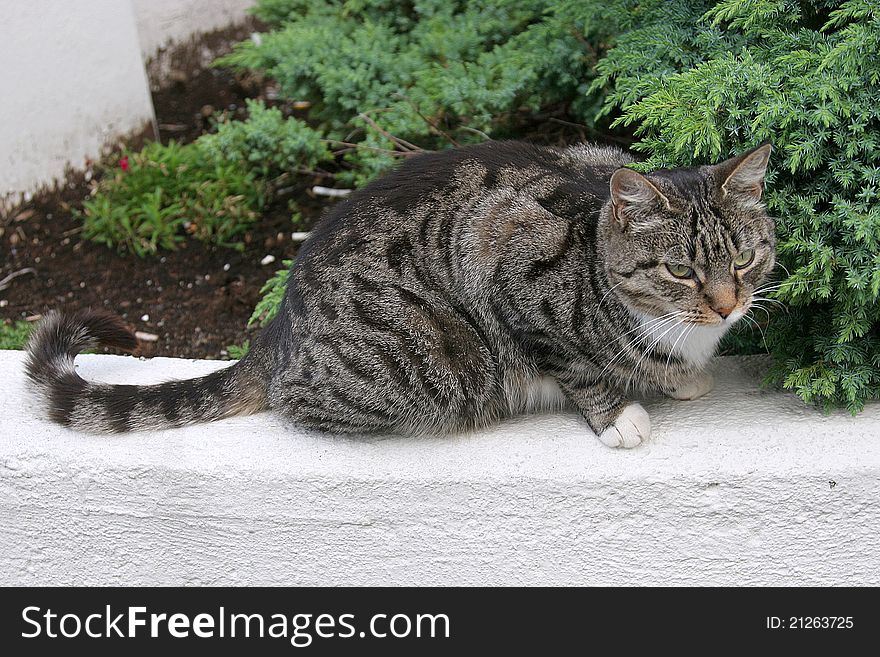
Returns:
(197, 299)
(189, 95)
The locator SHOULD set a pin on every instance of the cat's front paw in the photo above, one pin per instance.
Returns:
(631, 428)
(693, 388)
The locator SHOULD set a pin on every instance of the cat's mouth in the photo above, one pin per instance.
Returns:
(712, 318)
(733, 317)
(702, 315)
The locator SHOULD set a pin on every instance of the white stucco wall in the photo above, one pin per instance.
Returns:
(161, 22)
(72, 75)
(72, 81)
(741, 487)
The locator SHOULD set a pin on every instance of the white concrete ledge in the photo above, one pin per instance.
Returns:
(741, 487)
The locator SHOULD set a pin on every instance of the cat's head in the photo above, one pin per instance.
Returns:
(694, 241)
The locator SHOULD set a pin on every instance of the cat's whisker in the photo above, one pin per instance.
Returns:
(758, 326)
(777, 286)
(653, 347)
(768, 288)
(788, 281)
(759, 307)
(650, 323)
(765, 299)
(760, 298)
(682, 337)
(605, 296)
(620, 353)
(647, 329)
(648, 351)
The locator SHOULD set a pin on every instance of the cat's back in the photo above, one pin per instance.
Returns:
(594, 157)
(489, 165)
(446, 179)
(427, 193)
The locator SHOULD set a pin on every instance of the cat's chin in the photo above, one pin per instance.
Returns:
(734, 317)
(694, 342)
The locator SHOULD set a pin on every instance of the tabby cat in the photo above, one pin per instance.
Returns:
(471, 285)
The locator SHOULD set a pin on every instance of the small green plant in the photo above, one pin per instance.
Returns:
(273, 292)
(212, 189)
(387, 80)
(153, 198)
(237, 352)
(14, 335)
(267, 143)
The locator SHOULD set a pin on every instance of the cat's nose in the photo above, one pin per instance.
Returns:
(722, 299)
(724, 309)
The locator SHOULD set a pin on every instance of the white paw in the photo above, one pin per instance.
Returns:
(630, 429)
(693, 388)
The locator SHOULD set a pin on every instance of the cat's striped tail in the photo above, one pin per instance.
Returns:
(104, 408)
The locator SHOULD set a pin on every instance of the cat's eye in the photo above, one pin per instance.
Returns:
(744, 259)
(680, 271)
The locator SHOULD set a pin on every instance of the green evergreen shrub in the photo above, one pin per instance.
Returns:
(273, 292)
(394, 77)
(804, 76)
(267, 143)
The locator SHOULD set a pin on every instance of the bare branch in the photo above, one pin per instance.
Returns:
(353, 147)
(402, 143)
(6, 282)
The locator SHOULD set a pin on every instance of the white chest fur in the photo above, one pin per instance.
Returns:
(695, 343)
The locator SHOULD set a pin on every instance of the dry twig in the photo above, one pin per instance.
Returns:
(7, 281)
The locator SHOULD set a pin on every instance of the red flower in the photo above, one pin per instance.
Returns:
(123, 163)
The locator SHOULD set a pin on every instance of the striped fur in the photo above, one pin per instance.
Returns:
(105, 408)
(471, 285)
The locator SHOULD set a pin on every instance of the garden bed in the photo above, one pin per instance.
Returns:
(197, 300)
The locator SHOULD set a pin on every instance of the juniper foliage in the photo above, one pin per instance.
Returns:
(267, 144)
(395, 77)
(804, 76)
(273, 293)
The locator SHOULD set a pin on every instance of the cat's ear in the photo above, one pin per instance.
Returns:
(744, 175)
(630, 190)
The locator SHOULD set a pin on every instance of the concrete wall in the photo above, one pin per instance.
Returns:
(161, 22)
(743, 486)
(73, 81)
